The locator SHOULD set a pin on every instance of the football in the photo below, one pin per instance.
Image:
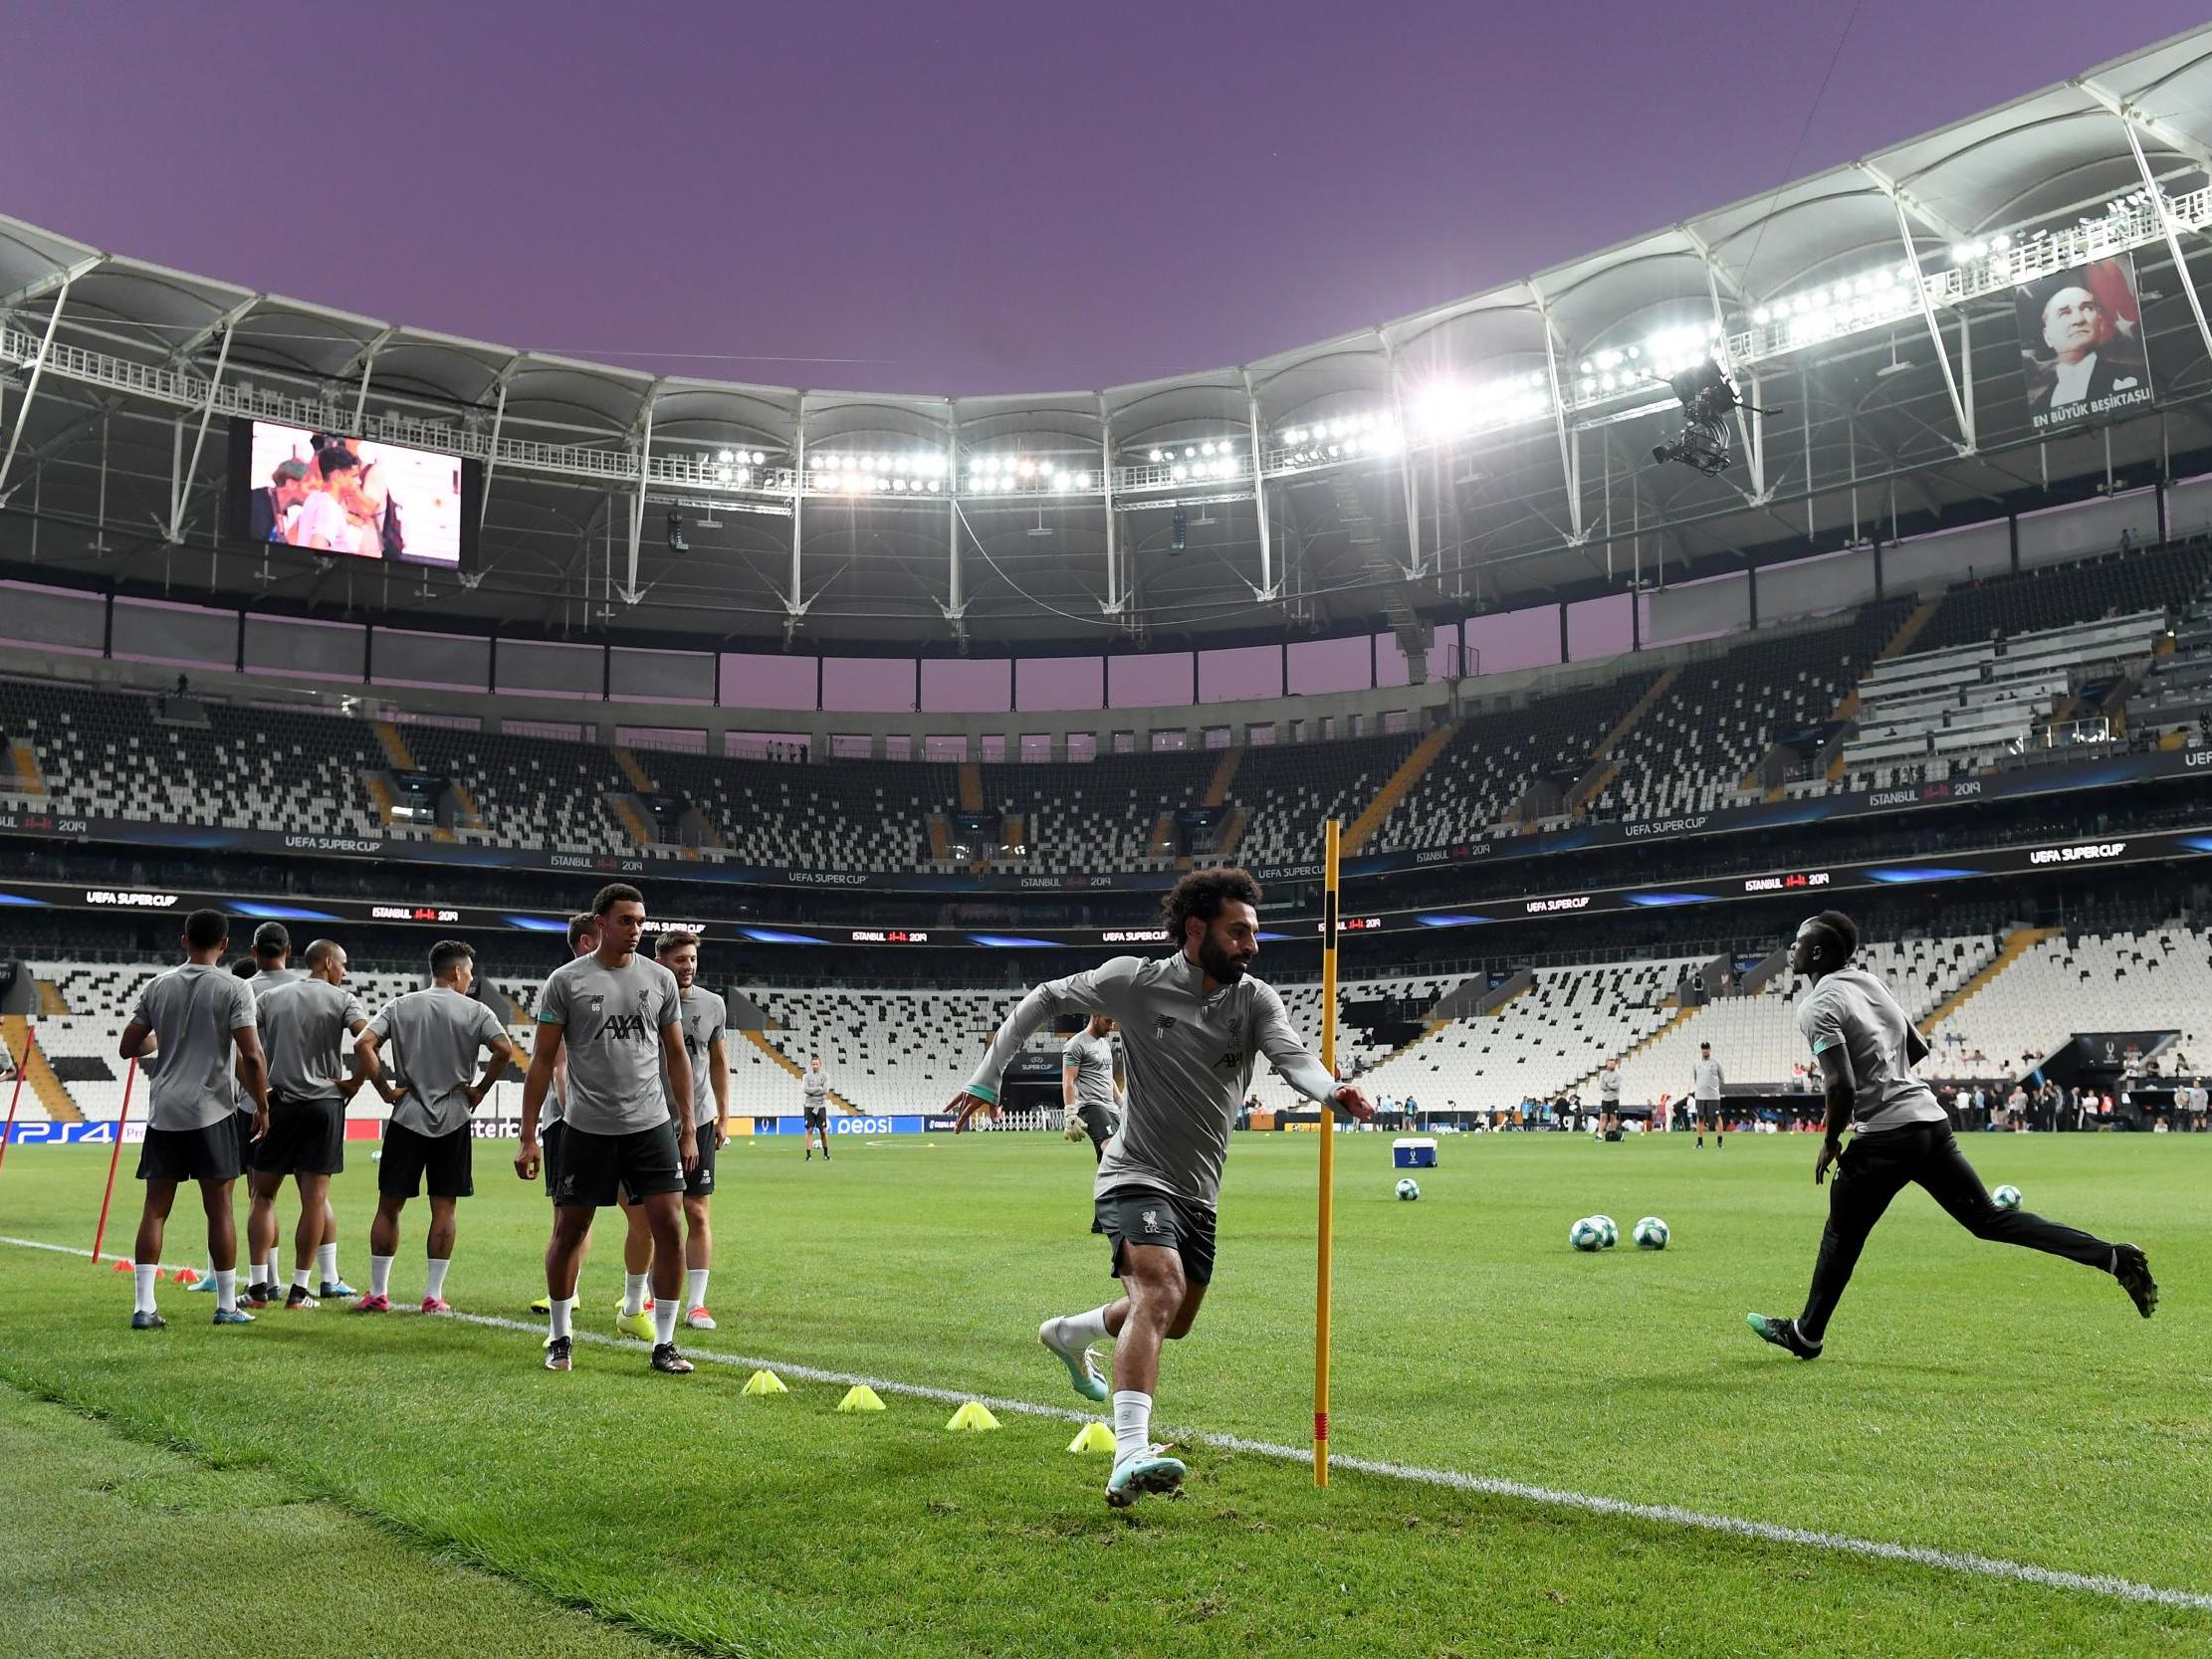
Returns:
(1408, 1189)
(1650, 1233)
(1610, 1233)
(1586, 1234)
(2006, 1197)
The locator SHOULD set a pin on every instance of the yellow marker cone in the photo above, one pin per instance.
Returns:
(861, 1397)
(973, 1418)
(765, 1382)
(1095, 1437)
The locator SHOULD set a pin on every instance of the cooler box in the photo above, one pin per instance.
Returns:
(1411, 1154)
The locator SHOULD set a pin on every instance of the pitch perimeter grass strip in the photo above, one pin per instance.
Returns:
(1487, 1486)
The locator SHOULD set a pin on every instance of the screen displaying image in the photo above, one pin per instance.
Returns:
(351, 497)
(2081, 343)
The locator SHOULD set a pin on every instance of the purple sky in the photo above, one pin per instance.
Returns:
(956, 198)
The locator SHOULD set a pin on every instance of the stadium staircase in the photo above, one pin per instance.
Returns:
(970, 786)
(1396, 786)
(1675, 1021)
(28, 779)
(379, 796)
(52, 1004)
(1224, 775)
(44, 1084)
(633, 821)
(1603, 769)
(633, 769)
(759, 1041)
(2017, 944)
(471, 818)
(395, 748)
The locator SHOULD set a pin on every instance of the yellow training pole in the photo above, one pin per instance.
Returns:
(1327, 1261)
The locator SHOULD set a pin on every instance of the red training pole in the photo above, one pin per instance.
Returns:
(114, 1157)
(29, 1047)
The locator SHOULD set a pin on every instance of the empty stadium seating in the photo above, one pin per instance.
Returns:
(1755, 1037)
(529, 791)
(2056, 595)
(2158, 979)
(1289, 791)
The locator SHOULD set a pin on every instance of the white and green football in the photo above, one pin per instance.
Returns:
(1650, 1233)
(2006, 1197)
(1586, 1234)
(1610, 1229)
(1408, 1189)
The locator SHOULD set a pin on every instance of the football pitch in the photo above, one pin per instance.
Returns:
(407, 1485)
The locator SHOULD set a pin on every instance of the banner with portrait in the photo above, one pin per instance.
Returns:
(2081, 347)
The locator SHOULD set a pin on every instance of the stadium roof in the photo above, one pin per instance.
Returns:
(1496, 426)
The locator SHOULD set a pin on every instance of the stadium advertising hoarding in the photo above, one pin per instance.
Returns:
(631, 862)
(2082, 353)
(1811, 883)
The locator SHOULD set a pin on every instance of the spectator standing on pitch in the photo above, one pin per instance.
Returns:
(434, 1036)
(1193, 1024)
(1704, 1088)
(199, 1016)
(306, 1024)
(813, 1091)
(706, 1019)
(1609, 1099)
(618, 1018)
(1867, 1049)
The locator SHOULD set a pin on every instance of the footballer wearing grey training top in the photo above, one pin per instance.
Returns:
(1191, 1025)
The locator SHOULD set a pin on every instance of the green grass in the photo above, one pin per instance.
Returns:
(1974, 1398)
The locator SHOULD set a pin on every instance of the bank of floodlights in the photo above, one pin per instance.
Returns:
(876, 473)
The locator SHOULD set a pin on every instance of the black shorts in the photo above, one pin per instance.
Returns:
(640, 1162)
(700, 1183)
(213, 1153)
(305, 1137)
(548, 1152)
(1145, 1215)
(818, 1117)
(442, 1162)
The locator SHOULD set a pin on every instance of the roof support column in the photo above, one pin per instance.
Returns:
(1265, 593)
(2166, 224)
(629, 589)
(1959, 407)
(31, 390)
(183, 483)
(794, 603)
(1408, 479)
(368, 367)
(1113, 604)
(1570, 458)
(491, 456)
(955, 612)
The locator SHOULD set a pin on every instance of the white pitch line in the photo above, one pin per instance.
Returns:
(1487, 1486)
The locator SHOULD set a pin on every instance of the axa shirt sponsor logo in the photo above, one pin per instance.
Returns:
(2088, 853)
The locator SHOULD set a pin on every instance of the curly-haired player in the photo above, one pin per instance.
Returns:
(1192, 1024)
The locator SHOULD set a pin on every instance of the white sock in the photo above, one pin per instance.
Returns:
(142, 1276)
(433, 1283)
(1079, 1331)
(1132, 1423)
(379, 1275)
(300, 1277)
(325, 1262)
(633, 1294)
(695, 1286)
(271, 1273)
(562, 1307)
(664, 1319)
(226, 1289)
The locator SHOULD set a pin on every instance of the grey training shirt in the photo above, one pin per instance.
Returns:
(1852, 1007)
(192, 1011)
(306, 1028)
(1705, 1079)
(814, 1086)
(1091, 1059)
(705, 1017)
(611, 1021)
(431, 1038)
(1187, 1059)
(1608, 1087)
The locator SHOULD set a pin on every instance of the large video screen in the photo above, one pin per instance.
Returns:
(347, 497)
